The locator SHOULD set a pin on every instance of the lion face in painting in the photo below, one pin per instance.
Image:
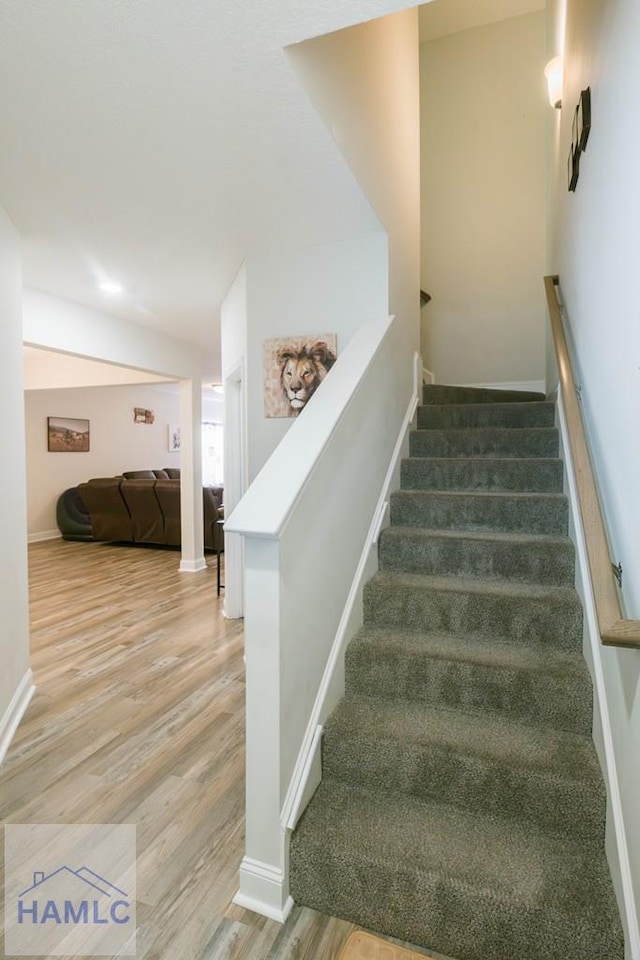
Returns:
(302, 372)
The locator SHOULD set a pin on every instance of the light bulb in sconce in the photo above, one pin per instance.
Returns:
(554, 74)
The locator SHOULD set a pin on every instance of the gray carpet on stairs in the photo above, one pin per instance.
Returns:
(462, 806)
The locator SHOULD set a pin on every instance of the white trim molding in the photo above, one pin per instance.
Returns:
(193, 566)
(44, 535)
(617, 849)
(531, 386)
(262, 890)
(15, 712)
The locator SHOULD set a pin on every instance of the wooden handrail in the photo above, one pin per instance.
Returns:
(615, 630)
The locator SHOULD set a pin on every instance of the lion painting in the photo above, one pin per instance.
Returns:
(294, 369)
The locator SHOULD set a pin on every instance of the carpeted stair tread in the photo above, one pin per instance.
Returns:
(478, 674)
(478, 649)
(473, 585)
(534, 474)
(485, 442)
(567, 754)
(481, 510)
(462, 806)
(547, 777)
(538, 558)
(467, 883)
(520, 613)
(436, 393)
(507, 415)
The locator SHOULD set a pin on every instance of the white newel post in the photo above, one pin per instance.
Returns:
(191, 477)
(264, 871)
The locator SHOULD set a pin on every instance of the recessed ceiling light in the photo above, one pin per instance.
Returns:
(111, 288)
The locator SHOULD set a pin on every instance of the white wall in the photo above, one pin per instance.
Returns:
(329, 288)
(14, 635)
(595, 250)
(483, 115)
(364, 83)
(45, 370)
(58, 324)
(116, 442)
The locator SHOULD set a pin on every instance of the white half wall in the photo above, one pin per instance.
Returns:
(595, 241)
(14, 631)
(483, 116)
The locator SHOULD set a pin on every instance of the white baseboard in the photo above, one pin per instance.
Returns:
(193, 566)
(262, 890)
(617, 850)
(307, 772)
(15, 712)
(535, 386)
(44, 535)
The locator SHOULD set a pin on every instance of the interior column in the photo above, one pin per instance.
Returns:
(191, 477)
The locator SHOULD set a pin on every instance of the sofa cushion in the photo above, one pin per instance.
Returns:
(139, 475)
(146, 515)
(110, 518)
(168, 494)
(161, 474)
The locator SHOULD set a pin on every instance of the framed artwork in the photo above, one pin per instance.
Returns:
(67, 435)
(140, 415)
(293, 369)
(174, 438)
(573, 168)
(583, 119)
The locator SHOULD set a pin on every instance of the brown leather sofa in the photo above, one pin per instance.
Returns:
(145, 510)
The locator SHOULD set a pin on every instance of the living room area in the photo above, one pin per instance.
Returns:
(96, 425)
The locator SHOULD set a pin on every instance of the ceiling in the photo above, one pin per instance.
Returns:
(442, 17)
(158, 144)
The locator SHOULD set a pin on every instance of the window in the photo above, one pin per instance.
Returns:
(212, 455)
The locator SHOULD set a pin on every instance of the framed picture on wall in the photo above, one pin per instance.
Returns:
(174, 438)
(67, 435)
(293, 369)
(583, 114)
(573, 168)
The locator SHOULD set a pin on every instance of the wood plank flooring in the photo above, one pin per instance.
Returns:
(138, 717)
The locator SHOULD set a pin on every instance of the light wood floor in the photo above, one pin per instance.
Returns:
(138, 718)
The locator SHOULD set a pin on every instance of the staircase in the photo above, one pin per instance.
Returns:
(462, 806)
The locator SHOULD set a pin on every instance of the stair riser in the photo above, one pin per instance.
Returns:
(441, 511)
(438, 912)
(564, 807)
(521, 619)
(504, 415)
(536, 475)
(444, 394)
(550, 564)
(484, 443)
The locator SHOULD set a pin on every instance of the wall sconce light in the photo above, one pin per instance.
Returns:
(554, 73)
